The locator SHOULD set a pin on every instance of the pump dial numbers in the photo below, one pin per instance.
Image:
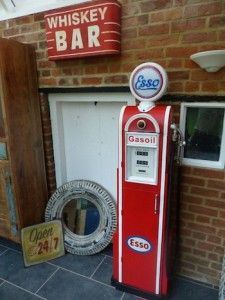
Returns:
(143, 153)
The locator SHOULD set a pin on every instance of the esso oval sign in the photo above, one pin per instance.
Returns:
(148, 82)
(139, 244)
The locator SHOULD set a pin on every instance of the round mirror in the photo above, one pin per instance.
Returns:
(88, 214)
(81, 216)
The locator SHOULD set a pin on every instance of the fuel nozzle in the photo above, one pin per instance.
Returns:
(178, 137)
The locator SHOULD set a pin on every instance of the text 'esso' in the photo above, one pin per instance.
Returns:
(139, 244)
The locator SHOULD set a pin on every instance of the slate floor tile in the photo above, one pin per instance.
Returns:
(104, 272)
(186, 290)
(132, 297)
(10, 244)
(11, 292)
(12, 269)
(2, 249)
(69, 286)
(84, 265)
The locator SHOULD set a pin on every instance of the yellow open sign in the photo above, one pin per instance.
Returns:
(42, 242)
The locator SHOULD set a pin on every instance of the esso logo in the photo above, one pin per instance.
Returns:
(134, 139)
(148, 82)
(139, 244)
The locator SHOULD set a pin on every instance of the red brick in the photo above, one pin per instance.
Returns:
(216, 266)
(189, 242)
(102, 69)
(214, 239)
(30, 28)
(131, 9)
(129, 33)
(199, 235)
(149, 54)
(221, 233)
(199, 252)
(206, 246)
(39, 17)
(133, 44)
(209, 86)
(128, 67)
(154, 29)
(47, 82)
(67, 72)
(199, 37)
(222, 214)
(192, 199)
(215, 203)
(203, 219)
(217, 21)
(10, 32)
(178, 75)
(187, 25)
(187, 216)
(204, 192)
(180, 52)
(203, 10)
(24, 20)
(166, 15)
(201, 228)
(188, 265)
(197, 260)
(192, 86)
(65, 81)
(222, 35)
(176, 86)
(216, 184)
(219, 223)
(162, 40)
(130, 22)
(208, 173)
(174, 63)
(151, 5)
(193, 180)
(201, 75)
(116, 79)
(91, 80)
(203, 210)
(207, 271)
(213, 256)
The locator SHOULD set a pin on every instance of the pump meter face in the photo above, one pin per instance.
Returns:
(142, 157)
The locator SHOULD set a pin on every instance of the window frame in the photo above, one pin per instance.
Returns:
(200, 162)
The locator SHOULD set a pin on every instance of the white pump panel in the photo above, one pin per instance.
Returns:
(142, 157)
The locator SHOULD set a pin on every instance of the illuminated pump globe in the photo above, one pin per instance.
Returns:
(148, 82)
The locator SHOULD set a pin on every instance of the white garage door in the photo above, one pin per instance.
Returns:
(85, 136)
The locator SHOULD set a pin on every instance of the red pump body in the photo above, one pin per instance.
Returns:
(142, 242)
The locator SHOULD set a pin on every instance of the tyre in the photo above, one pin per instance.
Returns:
(89, 191)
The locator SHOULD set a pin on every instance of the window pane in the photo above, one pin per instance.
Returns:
(203, 133)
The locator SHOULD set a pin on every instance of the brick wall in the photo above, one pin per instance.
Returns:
(167, 32)
(202, 223)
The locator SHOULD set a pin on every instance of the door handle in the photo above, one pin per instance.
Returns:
(156, 207)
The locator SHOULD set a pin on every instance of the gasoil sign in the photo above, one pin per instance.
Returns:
(90, 29)
(42, 242)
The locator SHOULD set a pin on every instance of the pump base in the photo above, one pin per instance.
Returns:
(135, 291)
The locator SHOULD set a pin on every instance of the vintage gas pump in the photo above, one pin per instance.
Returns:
(144, 237)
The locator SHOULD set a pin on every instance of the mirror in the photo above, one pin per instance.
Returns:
(81, 216)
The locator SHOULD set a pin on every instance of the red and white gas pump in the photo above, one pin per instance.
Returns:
(142, 242)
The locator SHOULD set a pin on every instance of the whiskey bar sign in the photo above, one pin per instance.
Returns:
(90, 29)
